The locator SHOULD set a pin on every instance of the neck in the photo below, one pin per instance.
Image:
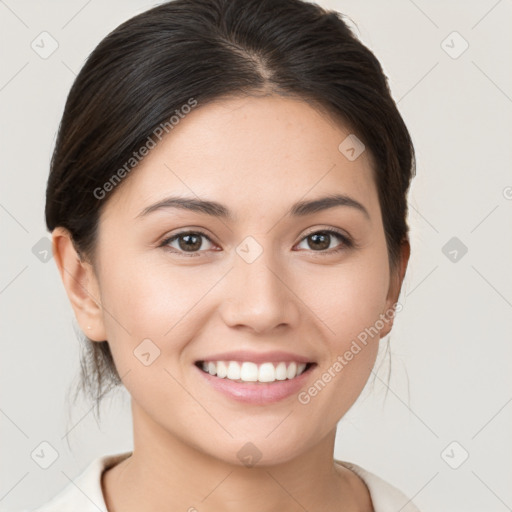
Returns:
(165, 473)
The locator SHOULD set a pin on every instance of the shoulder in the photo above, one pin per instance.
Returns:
(384, 496)
(84, 492)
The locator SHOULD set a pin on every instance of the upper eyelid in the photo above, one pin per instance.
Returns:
(170, 238)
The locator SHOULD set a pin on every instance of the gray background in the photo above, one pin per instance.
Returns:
(451, 345)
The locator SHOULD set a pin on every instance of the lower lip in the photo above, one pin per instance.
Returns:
(258, 392)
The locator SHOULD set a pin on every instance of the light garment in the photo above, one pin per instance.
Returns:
(84, 494)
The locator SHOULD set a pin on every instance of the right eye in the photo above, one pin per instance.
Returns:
(189, 243)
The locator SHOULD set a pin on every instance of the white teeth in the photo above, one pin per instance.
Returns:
(251, 372)
(291, 370)
(222, 369)
(267, 373)
(281, 371)
(233, 371)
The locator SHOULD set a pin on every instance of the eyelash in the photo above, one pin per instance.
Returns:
(347, 243)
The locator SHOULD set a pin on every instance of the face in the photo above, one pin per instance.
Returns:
(263, 284)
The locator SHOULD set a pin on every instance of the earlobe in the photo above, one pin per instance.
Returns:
(395, 287)
(81, 285)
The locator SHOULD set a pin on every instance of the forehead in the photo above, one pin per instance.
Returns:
(247, 153)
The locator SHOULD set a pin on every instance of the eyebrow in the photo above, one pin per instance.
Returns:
(215, 209)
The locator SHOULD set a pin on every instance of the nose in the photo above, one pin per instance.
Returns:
(259, 296)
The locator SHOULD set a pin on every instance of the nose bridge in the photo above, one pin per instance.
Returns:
(258, 296)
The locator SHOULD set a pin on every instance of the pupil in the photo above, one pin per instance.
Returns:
(187, 246)
(319, 237)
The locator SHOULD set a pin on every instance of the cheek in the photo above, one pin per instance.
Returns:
(152, 316)
(353, 297)
(153, 300)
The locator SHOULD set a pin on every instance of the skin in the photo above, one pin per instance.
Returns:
(257, 156)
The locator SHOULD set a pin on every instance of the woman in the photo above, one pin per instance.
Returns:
(227, 202)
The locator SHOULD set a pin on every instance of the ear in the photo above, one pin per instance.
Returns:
(395, 286)
(81, 285)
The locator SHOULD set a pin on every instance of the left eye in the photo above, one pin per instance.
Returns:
(322, 239)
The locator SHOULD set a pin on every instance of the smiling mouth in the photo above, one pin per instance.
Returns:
(249, 372)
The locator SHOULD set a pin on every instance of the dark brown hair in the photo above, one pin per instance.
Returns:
(144, 71)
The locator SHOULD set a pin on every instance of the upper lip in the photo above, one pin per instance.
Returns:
(258, 357)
